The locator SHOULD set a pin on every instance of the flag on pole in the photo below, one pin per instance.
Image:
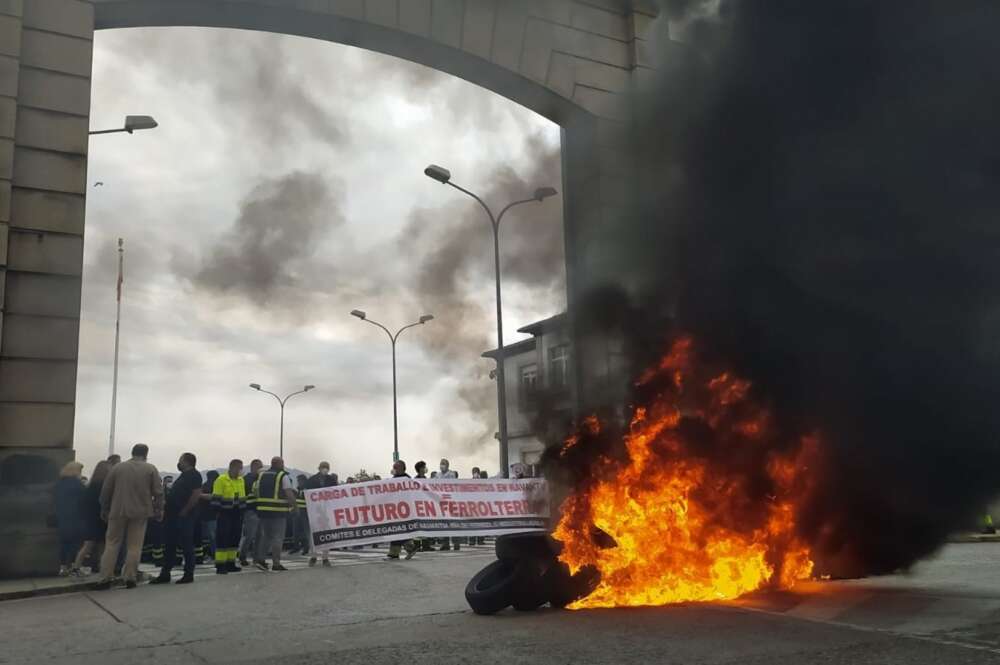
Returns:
(121, 275)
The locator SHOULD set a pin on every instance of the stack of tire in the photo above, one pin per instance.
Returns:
(527, 575)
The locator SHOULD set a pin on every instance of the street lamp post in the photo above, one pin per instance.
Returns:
(132, 123)
(443, 176)
(392, 339)
(281, 403)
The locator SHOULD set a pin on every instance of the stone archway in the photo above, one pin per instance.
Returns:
(573, 61)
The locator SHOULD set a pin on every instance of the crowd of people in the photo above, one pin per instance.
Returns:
(236, 518)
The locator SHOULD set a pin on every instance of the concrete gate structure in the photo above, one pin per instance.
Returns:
(576, 62)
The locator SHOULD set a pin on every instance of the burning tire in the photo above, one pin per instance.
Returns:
(492, 588)
(517, 546)
(539, 575)
(563, 588)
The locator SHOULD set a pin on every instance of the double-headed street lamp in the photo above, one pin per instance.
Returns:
(443, 176)
(281, 402)
(392, 339)
(132, 123)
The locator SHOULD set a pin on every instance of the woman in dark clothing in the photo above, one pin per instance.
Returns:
(69, 491)
(94, 527)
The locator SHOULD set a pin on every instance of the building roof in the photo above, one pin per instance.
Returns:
(514, 349)
(556, 322)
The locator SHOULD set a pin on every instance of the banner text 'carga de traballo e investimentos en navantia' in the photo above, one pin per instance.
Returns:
(404, 508)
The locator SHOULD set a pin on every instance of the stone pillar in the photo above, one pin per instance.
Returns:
(45, 66)
(609, 255)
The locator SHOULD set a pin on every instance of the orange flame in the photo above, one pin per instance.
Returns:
(690, 524)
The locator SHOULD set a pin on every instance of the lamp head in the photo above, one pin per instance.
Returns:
(358, 313)
(543, 193)
(255, 386)
(134, 122)
(308, 388)
(439, 173)
(426, 317)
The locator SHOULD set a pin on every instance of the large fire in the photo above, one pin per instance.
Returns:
(702, 504)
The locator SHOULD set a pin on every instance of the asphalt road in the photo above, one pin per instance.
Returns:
(365, 610)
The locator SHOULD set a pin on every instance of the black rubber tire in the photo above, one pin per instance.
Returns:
(562, 588)
(529, 591)
(517, 546)
(491, 589)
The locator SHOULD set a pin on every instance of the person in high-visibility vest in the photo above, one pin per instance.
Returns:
(988, 527)
(229, 499)
(275, 499)
(300, 539)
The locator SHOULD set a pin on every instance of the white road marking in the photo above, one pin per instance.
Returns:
(341, 558)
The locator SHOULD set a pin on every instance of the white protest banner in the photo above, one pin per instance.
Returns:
(404, 508)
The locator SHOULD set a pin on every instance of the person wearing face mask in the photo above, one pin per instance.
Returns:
(229, 500)
(179, 523)
(446, 472)
(323, 478)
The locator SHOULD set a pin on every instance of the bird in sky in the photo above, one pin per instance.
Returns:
(99, 184)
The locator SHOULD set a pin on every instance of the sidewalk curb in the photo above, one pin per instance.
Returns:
(975, 538)
(47, 591)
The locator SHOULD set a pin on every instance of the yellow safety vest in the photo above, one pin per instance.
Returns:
(229, 493)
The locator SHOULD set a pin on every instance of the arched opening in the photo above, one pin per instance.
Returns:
(283, 188)
(503, 47)
(571, 62)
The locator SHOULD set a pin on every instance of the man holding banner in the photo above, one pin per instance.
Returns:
(399, 471)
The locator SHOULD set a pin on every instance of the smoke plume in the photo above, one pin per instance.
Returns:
(454, 277)
(827, 225)
(279, 225)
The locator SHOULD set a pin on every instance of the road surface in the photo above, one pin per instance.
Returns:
(367, 610)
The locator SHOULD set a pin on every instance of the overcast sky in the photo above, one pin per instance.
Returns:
(284, 188)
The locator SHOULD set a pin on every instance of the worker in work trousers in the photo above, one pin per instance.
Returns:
(229, 500)
(249, 543)
(275, 500)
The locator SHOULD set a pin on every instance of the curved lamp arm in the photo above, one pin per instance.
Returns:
(493, 220)
(298, 392)
(387, 332)
(412, 325)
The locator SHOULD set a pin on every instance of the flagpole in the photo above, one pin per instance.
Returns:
(118, 322)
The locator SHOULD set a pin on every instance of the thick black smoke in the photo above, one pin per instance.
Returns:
(828, 224)
(831, 227)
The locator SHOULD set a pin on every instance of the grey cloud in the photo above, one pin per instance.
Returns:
(267, 83)
(280, 223)
(263, 84)
(276, 95)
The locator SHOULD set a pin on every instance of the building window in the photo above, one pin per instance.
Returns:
(559, 366)
(529, 384)
(531, 457)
